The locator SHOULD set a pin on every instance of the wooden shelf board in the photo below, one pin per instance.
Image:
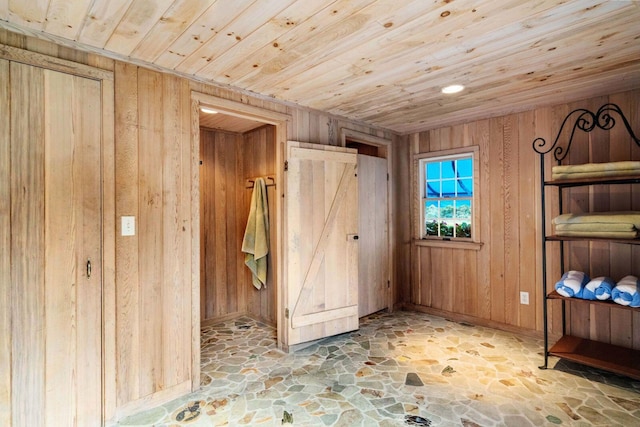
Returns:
(608, 303)
(613, 358)
(592, 239)
(631, 179)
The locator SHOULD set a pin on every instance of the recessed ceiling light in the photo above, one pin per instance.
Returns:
(208, 110)
(452, 89)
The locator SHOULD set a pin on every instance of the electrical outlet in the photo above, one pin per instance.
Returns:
(128, 226)
(524, 298)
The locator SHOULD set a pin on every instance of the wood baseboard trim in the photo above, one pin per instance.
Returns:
(236, 315)
(224, 318)
(476, 321)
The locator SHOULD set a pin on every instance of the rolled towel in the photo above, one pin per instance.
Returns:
(572, 283)
(599, 288)
(627, 291)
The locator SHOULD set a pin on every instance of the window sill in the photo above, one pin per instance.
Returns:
(451, 244)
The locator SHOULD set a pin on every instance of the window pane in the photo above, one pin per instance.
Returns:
(446, 229)
(463, 229)
(431, 210)
(447, 169)
(433, 189)
(465, 187)
(463, 209)
(465, 168)
(433, 170)
(449, 188)
(446, 209)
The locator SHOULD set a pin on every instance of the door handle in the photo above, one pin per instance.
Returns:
(88, 268)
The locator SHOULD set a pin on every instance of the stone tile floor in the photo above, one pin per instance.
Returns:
(400, 369)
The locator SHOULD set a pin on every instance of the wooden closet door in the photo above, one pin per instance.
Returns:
(56, 227)
(321, 206)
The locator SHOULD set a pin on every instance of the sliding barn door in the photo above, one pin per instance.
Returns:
(321, 207)
(55, 280)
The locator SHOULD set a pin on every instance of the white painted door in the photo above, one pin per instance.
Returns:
(373, 210)
(321, 251)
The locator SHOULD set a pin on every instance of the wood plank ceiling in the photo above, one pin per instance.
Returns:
(381, 62)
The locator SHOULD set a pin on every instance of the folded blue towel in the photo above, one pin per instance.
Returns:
(572, 284)
(599, 288)
(627, 291)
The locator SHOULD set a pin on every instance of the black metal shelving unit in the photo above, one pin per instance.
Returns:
(620, 360)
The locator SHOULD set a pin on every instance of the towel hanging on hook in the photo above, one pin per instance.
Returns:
(250, 182)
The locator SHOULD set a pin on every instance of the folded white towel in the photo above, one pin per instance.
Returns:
(627, 291)
(572, 284)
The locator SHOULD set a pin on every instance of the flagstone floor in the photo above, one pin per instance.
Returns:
(400, 369)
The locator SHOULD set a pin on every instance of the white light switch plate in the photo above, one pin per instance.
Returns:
(128, 226)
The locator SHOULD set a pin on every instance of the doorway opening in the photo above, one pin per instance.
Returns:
(233, 146)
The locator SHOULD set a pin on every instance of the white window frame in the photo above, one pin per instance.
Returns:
(458, 242)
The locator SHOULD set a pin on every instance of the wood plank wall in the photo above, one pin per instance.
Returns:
(228, 160)
(484, 286)
(222, 293)
(153, 268)
(151, 330)
(259, 159)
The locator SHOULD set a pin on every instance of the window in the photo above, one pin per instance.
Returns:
(447, 190)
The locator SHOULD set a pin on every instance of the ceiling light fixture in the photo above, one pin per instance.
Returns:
(452, 89)
(208, 110)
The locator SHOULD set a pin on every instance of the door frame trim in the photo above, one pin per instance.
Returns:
(238, 109)
(365, 138)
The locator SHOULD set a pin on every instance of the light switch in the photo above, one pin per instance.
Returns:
(128, 226)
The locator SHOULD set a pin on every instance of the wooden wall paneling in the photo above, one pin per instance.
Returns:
(459, 297)
(151, 146)
(27, 245)
(424, 288)
(128, 328)
(192, 156)
(109, 363)
(207, 179)
(202, 186)
(233, 192)
(528, 211)
(219, 268)
(471, 294)
(259, 160)
(437, 278)
(496, 220)
(401, 203)
(481, 134)
(175, 255)
(252, 156)
(236, 231)
(5, 247)
(512, 265)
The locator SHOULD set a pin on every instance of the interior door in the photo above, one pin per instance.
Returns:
(56, 277)
(321, 251)
(374, 234)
